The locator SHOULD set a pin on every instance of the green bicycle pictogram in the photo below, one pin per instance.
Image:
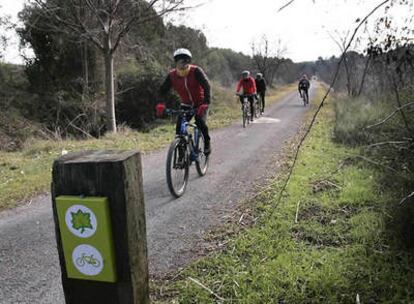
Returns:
(81, 220)
(85, 259)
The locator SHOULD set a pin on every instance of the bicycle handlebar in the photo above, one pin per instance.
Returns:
(189, 111)
(245, 95)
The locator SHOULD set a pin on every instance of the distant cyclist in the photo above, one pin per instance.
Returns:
(304, 86)
(261, 89)
(192, 85)
(248, 85)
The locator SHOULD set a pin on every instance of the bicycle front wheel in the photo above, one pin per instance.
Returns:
(202, 160)
(177, 167)
(244, 114)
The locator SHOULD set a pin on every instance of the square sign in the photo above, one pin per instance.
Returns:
(86, 233)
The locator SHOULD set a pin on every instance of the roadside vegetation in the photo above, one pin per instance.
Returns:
(338, 235)
(26, 172)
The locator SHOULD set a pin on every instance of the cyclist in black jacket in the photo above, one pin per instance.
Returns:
(261, 89)
(303, 86)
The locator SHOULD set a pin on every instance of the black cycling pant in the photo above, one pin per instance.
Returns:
(251, 100)
(262, 96)
(305, 91)
(199, 121)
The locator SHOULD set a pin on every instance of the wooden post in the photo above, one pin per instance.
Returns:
(116, 175)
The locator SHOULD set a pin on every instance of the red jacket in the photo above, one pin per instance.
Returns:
(249, 85)
(189, 87)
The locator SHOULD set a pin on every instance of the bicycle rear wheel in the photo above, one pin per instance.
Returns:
(177, 167)
(256, 109)
(202, 160)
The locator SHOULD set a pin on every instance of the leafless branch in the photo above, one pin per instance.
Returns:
(285, 6)
(388, 143)
(368, 160)
(406, 198)
(206, 288)
(124, 90)
(96, 12)
(71, 123)
(134, 20)
(390, 115)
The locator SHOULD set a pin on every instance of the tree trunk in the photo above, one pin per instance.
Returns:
(85, 68)
(109, 90)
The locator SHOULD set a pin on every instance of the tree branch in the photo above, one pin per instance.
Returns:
(206, 288)
(390, 115)
(285, 6)
(95, 11)
(406, 198)
(388, 143)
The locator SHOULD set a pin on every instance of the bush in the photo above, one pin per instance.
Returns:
(138, 95)
(389, 144)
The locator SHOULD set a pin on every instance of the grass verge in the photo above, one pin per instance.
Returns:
(337, 236)
(26, 173)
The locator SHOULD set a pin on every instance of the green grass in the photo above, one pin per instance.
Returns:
(336, 235)
(26, 173)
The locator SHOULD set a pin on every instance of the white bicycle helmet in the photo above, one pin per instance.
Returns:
(245, 74)
(182, 53)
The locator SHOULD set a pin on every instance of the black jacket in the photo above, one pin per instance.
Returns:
(260, 85)
(304, 84)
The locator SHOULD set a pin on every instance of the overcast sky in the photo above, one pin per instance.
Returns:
(302, 27)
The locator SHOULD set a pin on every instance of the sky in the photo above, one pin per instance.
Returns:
(304, 27)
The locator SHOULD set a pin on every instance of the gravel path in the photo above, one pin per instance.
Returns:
(241, 158)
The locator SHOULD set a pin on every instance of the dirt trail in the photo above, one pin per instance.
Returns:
(241, 158)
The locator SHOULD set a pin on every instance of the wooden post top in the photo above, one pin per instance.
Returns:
(94, 156)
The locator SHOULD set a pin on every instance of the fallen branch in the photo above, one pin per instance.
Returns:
(297, 212)
(406, 198)
(390, 115)
(206, 288)
(241, 218)
(388, 143)
(76, 127)
(80, 130)
(368, 160)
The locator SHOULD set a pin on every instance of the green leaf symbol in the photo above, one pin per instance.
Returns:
(81, 220)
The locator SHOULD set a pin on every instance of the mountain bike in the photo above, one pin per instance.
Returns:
(186, 148)
(246, 115)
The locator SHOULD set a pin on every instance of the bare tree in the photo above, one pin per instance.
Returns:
(4, 26)
(104, 23)
(268, 57)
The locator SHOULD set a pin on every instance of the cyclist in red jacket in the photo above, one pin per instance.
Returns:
(249, 88)
(192, 85)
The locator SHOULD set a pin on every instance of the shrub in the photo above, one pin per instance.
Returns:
(138, 95)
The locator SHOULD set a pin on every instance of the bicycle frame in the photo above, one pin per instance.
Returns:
(193, 144)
